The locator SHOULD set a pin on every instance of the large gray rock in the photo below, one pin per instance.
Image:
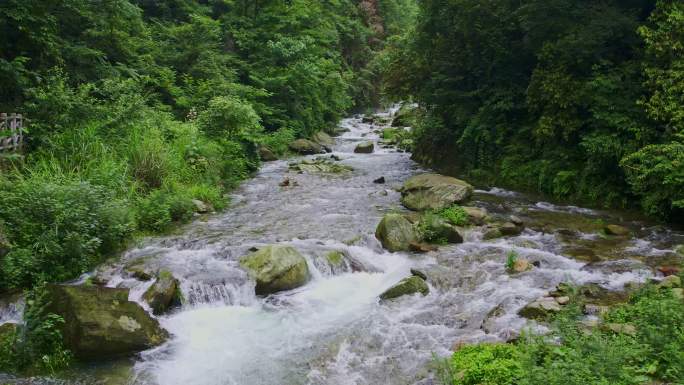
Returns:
(276, 268)
(323, 139)
(164, 294)
(101, 322)
(541, 308)
(434, 192)
(407, 286)
(306, 147)
(364, 148)
(396, 233)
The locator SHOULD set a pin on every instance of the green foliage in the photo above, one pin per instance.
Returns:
(36, 346)
(58, 229)
(454, 215)
(575, 355)
(487, 364)
(576, 99)
(511, 258)
(229, 118)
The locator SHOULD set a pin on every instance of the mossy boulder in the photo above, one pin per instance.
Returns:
(335, 258)
(439, 229)
(306, 147)
(407, 286)
(7, 332)
(265, 154)
(164, 294)
(502, 229)
(364, 148)
(540, 309)
(276, 268)
(434, 192)
(101, 322)
(396, 233)
(617, 230)
(405, 117)
(323, 139)
(476, 215)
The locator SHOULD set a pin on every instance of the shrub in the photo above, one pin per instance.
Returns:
(456, 215)
(58, 229)
(229, 117)
(486, 364)
(161, 208)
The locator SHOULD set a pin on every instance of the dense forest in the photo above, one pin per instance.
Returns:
(581, 100)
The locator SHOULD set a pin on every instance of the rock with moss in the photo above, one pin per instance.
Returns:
(502, 229)
(276, 268)
(540, 309)
(323, 139)
(335, 258)
(405, 117)
(164, 294)
(476, 215)
(306, 147)
(266, 155)
(320, 166)
(139, 269)
(7, 332)
(101, 322)
(438, 229)
(396, 233)
(364, 148)
(407, 286)
(617, 230)
(434, 192)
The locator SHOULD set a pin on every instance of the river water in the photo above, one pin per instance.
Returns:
(334, 331)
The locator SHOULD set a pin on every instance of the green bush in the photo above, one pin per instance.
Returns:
(456, 215)
(486, 364)
(161, 208)
(58, 229)
(230, 118)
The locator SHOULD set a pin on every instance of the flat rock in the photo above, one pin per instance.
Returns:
(434, 192)
(540, 309)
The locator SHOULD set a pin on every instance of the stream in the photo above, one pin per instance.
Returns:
(334, 330)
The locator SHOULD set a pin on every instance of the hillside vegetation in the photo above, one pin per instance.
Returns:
(578, 99)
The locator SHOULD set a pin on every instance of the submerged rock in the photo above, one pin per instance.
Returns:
(276, 268)
(380, 180)
(306, 147)
(499, 229)
(101, 322)
(364, 148)
(396, 233)
(616, 230)
(434, 192)
(410, 285)
(266, 154)
(164, 294)
(421, 247)
(541, 308)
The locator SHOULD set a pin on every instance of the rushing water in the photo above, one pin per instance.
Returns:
(334, 331)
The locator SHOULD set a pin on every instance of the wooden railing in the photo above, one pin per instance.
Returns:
(11, 132)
